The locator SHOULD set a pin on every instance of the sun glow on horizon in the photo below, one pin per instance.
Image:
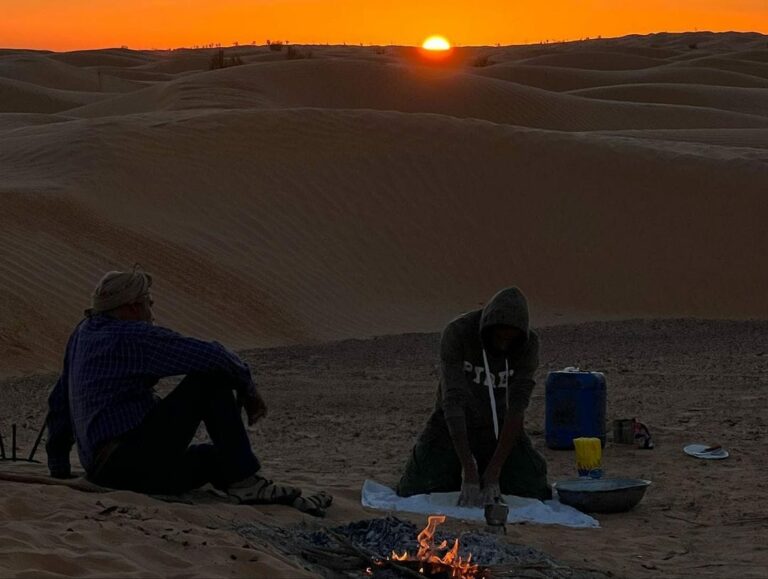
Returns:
(436, 43)
(166, 24)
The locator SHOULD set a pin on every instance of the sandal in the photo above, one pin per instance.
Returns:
(257, 490)
(315, 504)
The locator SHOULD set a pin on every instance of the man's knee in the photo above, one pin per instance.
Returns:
(430, 469)
(406, 489)
(208, 385)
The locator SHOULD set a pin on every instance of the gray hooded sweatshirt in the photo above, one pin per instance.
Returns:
(463, 390)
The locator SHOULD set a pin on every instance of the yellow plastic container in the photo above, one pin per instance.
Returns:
(589, 454)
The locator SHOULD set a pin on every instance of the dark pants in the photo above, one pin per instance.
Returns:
(157, 457)
(434, 467)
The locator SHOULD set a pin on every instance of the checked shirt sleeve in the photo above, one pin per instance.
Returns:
(168, 353)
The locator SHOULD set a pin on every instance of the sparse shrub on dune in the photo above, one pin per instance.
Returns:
(294, 53)
(275, 46)
(483, 60)
(219, 61)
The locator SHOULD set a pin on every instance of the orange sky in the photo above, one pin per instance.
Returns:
(74, 24)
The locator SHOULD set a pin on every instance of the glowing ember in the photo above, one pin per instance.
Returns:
(429, 554)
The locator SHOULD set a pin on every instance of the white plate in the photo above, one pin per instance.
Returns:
(697, 450)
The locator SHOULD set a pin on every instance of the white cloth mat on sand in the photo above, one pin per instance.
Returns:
(521, 510)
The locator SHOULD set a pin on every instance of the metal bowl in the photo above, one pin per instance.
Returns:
(606, 495)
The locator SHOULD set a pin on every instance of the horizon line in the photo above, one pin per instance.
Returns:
(209, 46)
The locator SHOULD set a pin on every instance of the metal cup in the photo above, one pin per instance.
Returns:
(496, 517)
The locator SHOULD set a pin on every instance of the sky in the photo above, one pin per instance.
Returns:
(141, 24)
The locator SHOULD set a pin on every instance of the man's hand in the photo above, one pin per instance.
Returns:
(255, 407)
(490, 494)
(491, 491)
(470, 486)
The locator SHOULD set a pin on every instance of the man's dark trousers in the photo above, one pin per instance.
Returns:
(434, 466)
(157, 457)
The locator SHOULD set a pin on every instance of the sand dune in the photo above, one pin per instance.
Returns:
(181, 63)
(595, 61)
(23, 97)
(743, 100)
(748, 67)
(265, 57)
(756, 55)
(739, 138)
(566, 79)
(361, 192)
(105, 57)
(601, 46)
(134, 73)
(357, 263)
(12, 121)
(45, 71)
(345, 84)
(728, 41)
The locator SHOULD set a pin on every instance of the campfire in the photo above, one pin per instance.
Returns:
(429, 561)
(391, 548)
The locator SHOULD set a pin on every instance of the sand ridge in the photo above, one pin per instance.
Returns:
(121, 57)
(594, 60)
(743, 100)
(564, 79)
(46, 71)
(747, 139)
(362, 191)
(348, 84)
(23, 97)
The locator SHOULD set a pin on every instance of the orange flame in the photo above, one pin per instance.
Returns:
(429, 553)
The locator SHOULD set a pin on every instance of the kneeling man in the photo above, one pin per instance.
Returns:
(474, 440)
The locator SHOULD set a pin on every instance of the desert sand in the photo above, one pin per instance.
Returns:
(346, 411)
(365, 191)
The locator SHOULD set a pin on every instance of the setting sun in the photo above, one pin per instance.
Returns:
(436, 43)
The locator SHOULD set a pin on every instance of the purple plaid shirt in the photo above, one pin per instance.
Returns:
(107, 385)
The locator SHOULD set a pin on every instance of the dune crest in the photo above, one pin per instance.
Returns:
(361, 192)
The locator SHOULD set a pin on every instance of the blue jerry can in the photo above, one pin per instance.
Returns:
(575, 406)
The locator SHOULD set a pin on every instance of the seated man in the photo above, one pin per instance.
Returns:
(475, 441)
(126, 436)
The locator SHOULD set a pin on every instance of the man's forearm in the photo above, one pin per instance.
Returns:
(457, 426)
(510, 433)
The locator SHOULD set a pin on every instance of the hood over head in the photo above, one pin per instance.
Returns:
(509, 307)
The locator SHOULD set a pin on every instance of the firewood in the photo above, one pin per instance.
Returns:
(372, 558)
